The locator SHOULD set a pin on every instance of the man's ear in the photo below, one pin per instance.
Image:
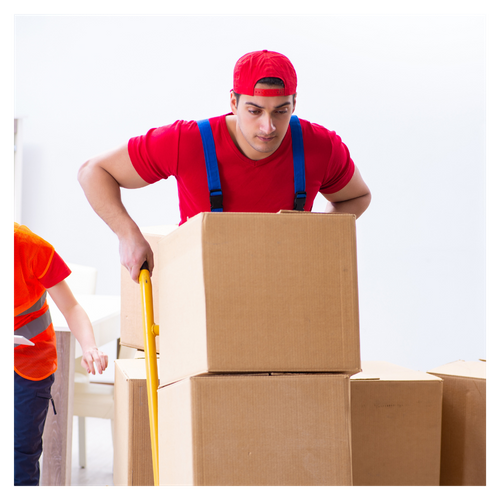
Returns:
(294, 103)
(232, 103)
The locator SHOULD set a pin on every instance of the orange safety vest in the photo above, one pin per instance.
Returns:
(32, 258)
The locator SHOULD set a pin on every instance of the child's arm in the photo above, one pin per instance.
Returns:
(80, 327)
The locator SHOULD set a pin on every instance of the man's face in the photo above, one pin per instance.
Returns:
(262, 122)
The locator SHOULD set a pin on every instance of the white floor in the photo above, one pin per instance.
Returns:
(99, 456)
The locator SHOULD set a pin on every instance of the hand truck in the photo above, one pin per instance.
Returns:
(150, 332)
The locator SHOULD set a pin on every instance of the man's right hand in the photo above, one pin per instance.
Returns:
(134, 251)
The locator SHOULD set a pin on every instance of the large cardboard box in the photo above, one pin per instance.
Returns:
(463, 444)
(251, 430)
(396, 426)
(131, 327)
(244, 292)
(132, 460)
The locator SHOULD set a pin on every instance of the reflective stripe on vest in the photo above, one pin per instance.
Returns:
(36, 306)
(214, 185)
(35, 327)
(38, 325)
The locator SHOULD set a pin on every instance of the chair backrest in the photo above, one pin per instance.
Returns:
(82, 279)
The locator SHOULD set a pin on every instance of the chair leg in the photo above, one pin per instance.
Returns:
(82, 445)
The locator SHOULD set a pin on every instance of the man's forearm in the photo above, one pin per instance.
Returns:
(104, 195)
(354, 206)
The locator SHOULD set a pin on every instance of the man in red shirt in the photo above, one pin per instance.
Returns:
(254, 153)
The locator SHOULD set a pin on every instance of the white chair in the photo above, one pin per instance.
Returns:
(82, 280)
(91, 399)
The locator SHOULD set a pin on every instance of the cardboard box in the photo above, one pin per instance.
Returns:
(250, 430)
(463, 444)
(244, 292)
(396, 426)
(132, 460)
(131, 328)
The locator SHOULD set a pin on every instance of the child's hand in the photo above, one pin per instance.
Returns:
(94, 355)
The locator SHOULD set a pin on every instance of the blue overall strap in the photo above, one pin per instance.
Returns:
(299, 173)
(211, 166)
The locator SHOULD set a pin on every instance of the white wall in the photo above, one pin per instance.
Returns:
(406, 94)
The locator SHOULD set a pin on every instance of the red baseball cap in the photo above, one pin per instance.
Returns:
(251, 67)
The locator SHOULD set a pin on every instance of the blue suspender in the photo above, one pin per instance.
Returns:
(299, 173)
(211, 165)
(213, 169)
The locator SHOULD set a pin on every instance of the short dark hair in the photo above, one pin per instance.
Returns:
(268, 80)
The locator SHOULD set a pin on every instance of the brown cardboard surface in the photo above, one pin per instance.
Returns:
(132, 457)
(469, 369)
(259, 293)
(463, 446)
(396, 426)
(131, 328)
(244, 430)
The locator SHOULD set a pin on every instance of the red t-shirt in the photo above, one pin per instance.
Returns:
(247, 185)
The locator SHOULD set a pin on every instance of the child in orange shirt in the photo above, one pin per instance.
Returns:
(38, 269)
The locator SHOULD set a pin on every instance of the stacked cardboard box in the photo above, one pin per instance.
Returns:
(259, 334)
(255, 430)
(463, 444)
(396, 426)
(132, 458)
(131, 329)
(258, 316)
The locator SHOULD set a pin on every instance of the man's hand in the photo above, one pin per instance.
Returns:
(134, 250)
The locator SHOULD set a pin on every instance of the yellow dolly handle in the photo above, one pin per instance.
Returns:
(150, 332)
